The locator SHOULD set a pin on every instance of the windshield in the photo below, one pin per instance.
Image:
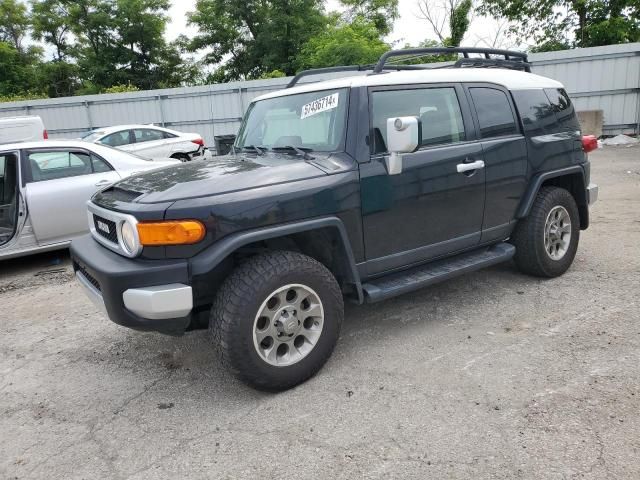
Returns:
(92, 136)
(314, 121)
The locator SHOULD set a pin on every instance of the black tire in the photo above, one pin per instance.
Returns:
(239, 300)
(529, 235)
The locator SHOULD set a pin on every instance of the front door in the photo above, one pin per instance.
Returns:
(59, 182)
(430, 209)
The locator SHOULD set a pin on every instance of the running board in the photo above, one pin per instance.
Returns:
(423, 275)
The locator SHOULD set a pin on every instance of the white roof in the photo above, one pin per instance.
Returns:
(511, 79)
(117, 128)
(45, 144)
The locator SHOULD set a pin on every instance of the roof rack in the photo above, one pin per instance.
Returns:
(347, 68)
(511, 59)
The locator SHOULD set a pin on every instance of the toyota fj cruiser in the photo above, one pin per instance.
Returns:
(364, 188)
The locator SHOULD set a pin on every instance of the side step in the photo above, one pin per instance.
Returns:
(434, 272)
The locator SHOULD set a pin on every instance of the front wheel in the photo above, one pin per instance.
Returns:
(547, 240)
(276, 319)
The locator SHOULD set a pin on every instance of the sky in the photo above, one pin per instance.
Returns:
(409, 28)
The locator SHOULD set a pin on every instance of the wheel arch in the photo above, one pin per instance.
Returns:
(571, 179)
(324, 239)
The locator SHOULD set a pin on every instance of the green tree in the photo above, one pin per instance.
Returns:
(14, 22)
(248, 38)
(356, 43)
(51, 24)
(556, 24)
(381, 13)
(16, 77)
(449, 19)
(110, 42)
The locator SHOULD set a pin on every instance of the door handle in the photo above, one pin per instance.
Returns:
(102, 183)
(466, 167)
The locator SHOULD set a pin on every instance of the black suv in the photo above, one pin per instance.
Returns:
(363, 188)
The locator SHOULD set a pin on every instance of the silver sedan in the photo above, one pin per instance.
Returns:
(45, 185)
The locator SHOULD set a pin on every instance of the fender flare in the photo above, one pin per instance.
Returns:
(534, 186)
(210, 258)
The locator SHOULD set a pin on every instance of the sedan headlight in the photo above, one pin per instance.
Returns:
(129, 237)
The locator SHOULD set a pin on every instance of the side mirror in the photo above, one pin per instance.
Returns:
(403, 136)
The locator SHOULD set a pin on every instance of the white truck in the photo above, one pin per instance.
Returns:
(22, 129)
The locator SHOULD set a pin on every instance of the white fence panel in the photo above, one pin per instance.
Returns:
(599, 78)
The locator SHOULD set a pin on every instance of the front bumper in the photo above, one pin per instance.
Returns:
(592, 193)
(139, 294)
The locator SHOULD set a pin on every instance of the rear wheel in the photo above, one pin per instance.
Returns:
(183, 157)
(547, 240)
(276, 319)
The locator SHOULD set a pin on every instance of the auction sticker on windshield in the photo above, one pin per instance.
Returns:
(320, 105)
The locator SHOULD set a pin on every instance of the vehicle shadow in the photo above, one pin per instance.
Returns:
(14, 267)
(192, 357)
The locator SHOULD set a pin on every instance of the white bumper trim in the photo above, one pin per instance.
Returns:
(92, 292)
(592, 193)
(159, 302)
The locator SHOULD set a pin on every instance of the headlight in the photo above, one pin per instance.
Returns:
(129, 237)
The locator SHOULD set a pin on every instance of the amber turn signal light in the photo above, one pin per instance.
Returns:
(179, 232)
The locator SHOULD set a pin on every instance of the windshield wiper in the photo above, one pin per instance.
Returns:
(258, 150)
(300, 151)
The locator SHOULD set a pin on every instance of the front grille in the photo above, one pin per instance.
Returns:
(88, 276)
(105, 228)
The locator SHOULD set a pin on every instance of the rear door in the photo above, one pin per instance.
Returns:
(505, 156)
(58, 184)
(151, 143)
(430, 209)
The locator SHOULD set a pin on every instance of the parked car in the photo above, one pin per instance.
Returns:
(150, 141)
(44, 188)
(364, 188)
(22, 129)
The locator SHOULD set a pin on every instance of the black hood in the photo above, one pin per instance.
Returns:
(217, 176)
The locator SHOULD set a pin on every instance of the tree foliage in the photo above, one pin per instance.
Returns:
(559, 24)
(14, 22)
(356, 43)
(248, 38)
(380, 13)
(449, 19)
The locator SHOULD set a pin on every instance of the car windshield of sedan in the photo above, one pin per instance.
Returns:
(312, 121)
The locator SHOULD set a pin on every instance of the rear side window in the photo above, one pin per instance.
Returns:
(99, 165)
(147, 135)
(437, 108)
(563, 108)
(494, 112)
(537, 113)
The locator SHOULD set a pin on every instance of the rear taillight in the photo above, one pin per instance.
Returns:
(198, 141)
(589, 143)
(45, 135)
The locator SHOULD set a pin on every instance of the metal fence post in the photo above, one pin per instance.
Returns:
(159, 97)
(88, 110)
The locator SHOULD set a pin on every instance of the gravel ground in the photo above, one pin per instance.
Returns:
(491, 375)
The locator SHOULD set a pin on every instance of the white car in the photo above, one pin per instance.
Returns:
(22, 129)
(45, 185)
(150, 141)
